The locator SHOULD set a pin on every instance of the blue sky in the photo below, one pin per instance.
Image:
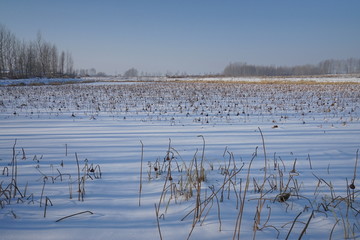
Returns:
(193, 36)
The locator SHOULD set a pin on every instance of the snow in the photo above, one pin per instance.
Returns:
(318, 125)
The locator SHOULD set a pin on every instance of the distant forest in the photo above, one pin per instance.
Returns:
(331, 66)
(38, 58)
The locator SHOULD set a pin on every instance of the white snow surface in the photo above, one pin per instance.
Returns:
(314, 126)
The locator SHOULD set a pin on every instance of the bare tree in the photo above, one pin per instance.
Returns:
(53, 61)
(92, 72)
(8, 53)
(69, 63)
(62, 63)
(21, 60)
(132, 72)
(36, 58)
(2, 49)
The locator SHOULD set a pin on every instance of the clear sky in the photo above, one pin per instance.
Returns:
(192, 36)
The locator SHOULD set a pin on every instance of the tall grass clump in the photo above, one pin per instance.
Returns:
(13, 191)
(254, 194)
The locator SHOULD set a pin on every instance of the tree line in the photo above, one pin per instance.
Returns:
(330, 66)
(38, 58)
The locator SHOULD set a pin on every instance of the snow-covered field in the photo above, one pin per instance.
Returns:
(218, 159)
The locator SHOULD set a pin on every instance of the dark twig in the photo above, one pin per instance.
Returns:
(72, 215)
(307, 224)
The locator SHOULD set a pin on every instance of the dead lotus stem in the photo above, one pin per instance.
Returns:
(42, 191)
(222, 191)
(293, 171)
(97, 170)
(79, 180)
(70, 188)
(13, 171)
(261, 202)
(83, 188)
(257, 219)
(46, 204)
(265, 158)
(307, 225)
(163, 193)
(287, 184)
(332, 229)
(25, 189)
(60, 175)
(167, 158)
(207, 212)
(236, 193)
(219, 216)
(309, 161)
(173, 190)
(292, 225)
(141, 169)
(352, 185)
(198, 191)
(23, 153)
(5, 169)
(157, 220)
(177, 164)
(195, 220)
(202, 155)
(265, 225)
(241, 210)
